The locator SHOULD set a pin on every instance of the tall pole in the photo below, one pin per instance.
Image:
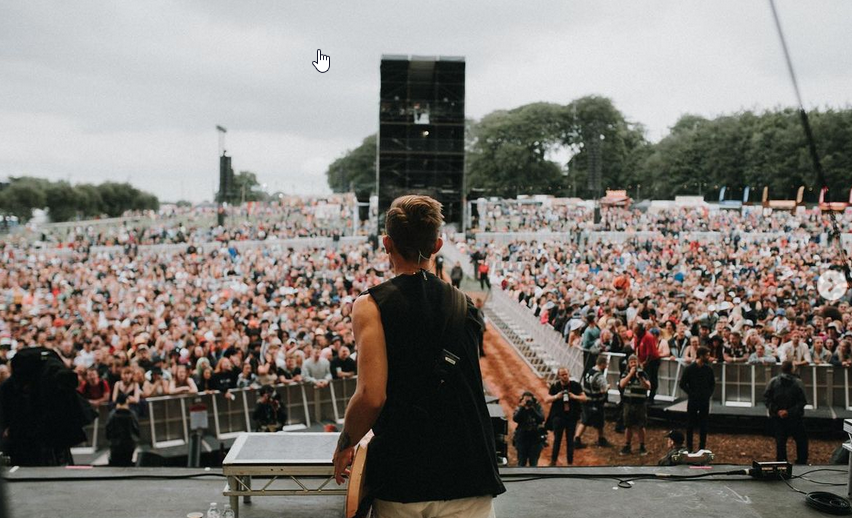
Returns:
(222, 132)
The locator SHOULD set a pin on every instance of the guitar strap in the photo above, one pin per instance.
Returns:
(447, 359)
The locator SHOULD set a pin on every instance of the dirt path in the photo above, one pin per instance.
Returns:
(507, 376)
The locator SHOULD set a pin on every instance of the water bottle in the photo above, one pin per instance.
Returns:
(227, 512)
(213, 512)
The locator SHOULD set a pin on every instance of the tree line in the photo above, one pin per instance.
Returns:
(547, 148)
(65, 201)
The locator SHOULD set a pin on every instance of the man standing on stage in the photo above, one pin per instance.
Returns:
(699, 383)
(785, 399)
(419, 384)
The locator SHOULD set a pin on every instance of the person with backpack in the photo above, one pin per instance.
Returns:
(595, 387)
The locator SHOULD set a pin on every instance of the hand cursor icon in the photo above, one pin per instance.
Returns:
(322, 63)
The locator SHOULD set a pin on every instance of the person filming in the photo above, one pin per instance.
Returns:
(528, 435)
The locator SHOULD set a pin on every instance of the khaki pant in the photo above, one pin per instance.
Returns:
(475, 507)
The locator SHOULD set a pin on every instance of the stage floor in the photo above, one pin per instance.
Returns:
(549, 497)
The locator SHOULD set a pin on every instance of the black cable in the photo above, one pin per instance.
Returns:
(115, 477)
(821, 500)
(624, 479)
(809, 136)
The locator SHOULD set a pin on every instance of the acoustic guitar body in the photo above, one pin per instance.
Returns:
(358, 504)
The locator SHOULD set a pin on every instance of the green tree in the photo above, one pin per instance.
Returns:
(508, 153)
(355, 170)
(22, 196)
(247, 188)
(594, 122)
(117, 198)
(64, 202)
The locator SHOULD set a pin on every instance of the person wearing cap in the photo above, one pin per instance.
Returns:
(699, 383)
(674, 443)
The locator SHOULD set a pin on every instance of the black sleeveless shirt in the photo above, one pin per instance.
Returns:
(431, 441)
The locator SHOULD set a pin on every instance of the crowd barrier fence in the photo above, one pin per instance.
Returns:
(165, 421)
(615, 236)
(743, 385)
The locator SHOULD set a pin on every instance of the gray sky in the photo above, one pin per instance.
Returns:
(104, 90)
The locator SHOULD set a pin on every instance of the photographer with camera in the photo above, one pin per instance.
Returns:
(565, 397)
(528, 435)
(269, 414)
(596, 389)
(635, 383)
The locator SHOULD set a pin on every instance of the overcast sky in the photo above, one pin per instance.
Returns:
(132, 91)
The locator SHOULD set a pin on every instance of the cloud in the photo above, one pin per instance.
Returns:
(107, 90)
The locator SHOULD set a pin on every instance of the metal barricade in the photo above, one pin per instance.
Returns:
(738, 384)
(840, 388)
(668, 378)
(91, 444)
(613, 372)
(763, 373)
(167, 420)
(293, 399)
(823, 393)
(719, 374)
(324, 406)
(230, 413)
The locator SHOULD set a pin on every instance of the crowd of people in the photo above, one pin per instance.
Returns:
(662, 298)
(750, 302)
(147, 325)
(213, 318)
(285, 218)
(533, 216)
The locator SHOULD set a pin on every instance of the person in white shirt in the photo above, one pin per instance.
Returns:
(795, 351)
(316, 369)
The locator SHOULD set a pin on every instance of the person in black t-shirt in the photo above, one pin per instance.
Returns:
(528, 437)
(343, 366)
(565, 397)
(699, 382)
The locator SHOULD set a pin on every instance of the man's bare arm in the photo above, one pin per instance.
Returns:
(371, 391)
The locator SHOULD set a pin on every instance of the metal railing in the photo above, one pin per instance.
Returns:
(743, 385)
(542, 346)
(165, 421)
